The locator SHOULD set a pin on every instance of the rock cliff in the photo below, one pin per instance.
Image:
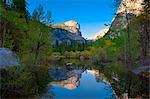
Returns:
(67, 33)
(71, 26)
(133, 6)
(127, 8)
(99, 34)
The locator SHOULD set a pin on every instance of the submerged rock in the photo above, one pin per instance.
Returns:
(8, 58)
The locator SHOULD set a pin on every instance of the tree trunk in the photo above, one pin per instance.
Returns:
(37, 53)
(129, 56)
(4, 1)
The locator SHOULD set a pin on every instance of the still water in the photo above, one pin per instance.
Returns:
(82, 85)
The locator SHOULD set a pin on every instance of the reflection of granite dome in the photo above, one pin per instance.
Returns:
(8, 58)
(70, 83)
(67, 33)
(71, 79)
(66, 79)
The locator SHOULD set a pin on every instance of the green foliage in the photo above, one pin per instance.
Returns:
(73, 47)
(17, 82)
(20, 36)
(23, 37)
(40, 77)
(10, 34)
(20, 5)
(20, 81)
(142, 26)
(116, 49)
(39, 15)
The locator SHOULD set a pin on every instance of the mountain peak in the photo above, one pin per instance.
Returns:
(71, 26)
(72, 23)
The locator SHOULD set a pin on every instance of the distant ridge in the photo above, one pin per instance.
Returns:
(99, 34)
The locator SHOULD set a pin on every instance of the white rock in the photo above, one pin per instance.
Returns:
(8, 58)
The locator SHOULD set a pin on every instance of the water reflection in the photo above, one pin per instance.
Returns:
(80, 84)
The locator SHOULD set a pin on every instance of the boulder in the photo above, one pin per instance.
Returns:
(8, 2)
(8, 58)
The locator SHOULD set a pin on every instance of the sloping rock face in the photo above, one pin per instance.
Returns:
(67, 33)
(133, 6)
(99, 34)
(8, 58)
(128, 8)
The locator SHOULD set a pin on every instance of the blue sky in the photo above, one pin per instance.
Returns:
(91, 14)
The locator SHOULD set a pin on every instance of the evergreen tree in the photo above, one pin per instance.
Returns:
(39, 15)
(20, 5)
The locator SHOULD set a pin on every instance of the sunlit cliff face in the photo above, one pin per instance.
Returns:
(71, 26)
(132, 6)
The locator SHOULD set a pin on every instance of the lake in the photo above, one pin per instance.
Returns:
(79, 84)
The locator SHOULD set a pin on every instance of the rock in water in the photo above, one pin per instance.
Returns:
(68, 33)
(8, 58)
